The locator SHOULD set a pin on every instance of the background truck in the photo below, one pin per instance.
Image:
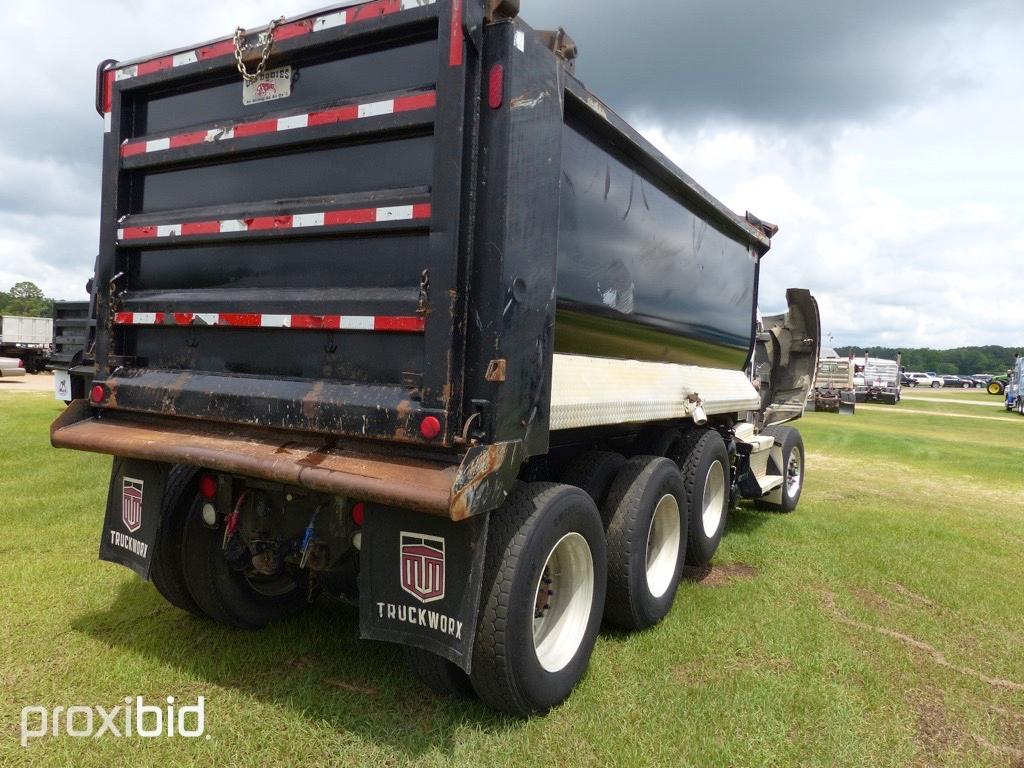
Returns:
(415, 319)
(1014, 388)
(74, 337)
(27, 339)
(877, 380)
(834, 390)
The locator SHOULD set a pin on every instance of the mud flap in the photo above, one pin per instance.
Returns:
(133, 513)
(420, 579)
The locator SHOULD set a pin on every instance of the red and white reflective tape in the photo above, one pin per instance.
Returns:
(351, 15)
(386, 323)
(283, 221)
(339, 114)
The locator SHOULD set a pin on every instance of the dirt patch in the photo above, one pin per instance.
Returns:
(720, 575)
(938, 733)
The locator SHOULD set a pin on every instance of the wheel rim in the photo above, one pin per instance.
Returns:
(794, 474)
(663, 539)
(563, 598)
(714, 499)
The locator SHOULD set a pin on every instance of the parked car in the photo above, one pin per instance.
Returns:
(11, 366)
(980, 380)
(960, 382)
(924, 380)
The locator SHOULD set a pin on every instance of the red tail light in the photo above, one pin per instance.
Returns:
(496, 87)
(97, 393)
(207, 486)
(358, 512)
(21, 363)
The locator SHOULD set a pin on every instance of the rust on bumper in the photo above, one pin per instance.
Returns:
(315, 462)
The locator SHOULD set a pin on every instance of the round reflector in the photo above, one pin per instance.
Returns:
(97, 393)
(430, 427)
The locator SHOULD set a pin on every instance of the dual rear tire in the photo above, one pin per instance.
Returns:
(189, 569)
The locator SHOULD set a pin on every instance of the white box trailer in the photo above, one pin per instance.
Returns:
(28, 339)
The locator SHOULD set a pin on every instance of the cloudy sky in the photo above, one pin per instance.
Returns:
(883, 137)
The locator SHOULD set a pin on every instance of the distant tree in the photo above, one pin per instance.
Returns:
(27, 299)
(965, 360)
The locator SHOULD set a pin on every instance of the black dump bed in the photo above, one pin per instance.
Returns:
(364, 243)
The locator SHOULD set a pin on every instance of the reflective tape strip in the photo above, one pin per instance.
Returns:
(351, 15)
(379, 323)
(340, 114)
(350, 217)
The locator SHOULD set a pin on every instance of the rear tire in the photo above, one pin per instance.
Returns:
(593, 473)
(443, 677)
(995, 388)
(792, 468)
(166, 571)
(228, 596)
(543, 595)
(935, 385)
(646, 510)
(705, 467)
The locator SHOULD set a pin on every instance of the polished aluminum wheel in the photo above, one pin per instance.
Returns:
(714, 499)
(663, 539)
(794, 474)
(564, 598)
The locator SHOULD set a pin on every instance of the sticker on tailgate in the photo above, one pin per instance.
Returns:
(272, 84)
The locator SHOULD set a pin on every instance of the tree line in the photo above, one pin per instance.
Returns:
(962, 360)
(25, 299)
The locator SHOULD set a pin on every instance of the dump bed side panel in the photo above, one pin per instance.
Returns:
(290, 254)
(644, 273)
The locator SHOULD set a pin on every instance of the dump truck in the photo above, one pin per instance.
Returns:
(1014, 388)
(27, 339)
(391, 307)
(877, 380)
(74, 334)
(834, 390)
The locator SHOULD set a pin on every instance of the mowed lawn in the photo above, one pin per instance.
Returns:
(880, 624)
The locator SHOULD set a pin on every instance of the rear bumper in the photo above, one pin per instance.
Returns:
(445, 489)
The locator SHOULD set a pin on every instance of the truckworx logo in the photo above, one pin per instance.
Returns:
(422, 566)
(135, 718)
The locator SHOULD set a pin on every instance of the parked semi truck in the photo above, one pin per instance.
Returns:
(411, 317)
(28, 339)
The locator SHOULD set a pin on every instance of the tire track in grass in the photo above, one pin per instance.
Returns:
(937, 656)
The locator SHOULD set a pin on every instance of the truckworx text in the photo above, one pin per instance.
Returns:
(427, 327)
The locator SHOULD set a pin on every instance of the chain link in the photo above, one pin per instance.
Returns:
(240, 46)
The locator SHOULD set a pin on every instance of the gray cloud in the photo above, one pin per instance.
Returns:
(785, 62)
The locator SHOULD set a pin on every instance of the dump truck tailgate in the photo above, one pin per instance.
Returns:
(287, 253)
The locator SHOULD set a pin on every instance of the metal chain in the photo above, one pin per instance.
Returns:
(252, 77)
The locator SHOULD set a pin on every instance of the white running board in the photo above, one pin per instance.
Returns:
(595, 391)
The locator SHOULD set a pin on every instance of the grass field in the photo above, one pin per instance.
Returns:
(879, 625)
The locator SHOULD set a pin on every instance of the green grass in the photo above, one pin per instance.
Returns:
(882, 627)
